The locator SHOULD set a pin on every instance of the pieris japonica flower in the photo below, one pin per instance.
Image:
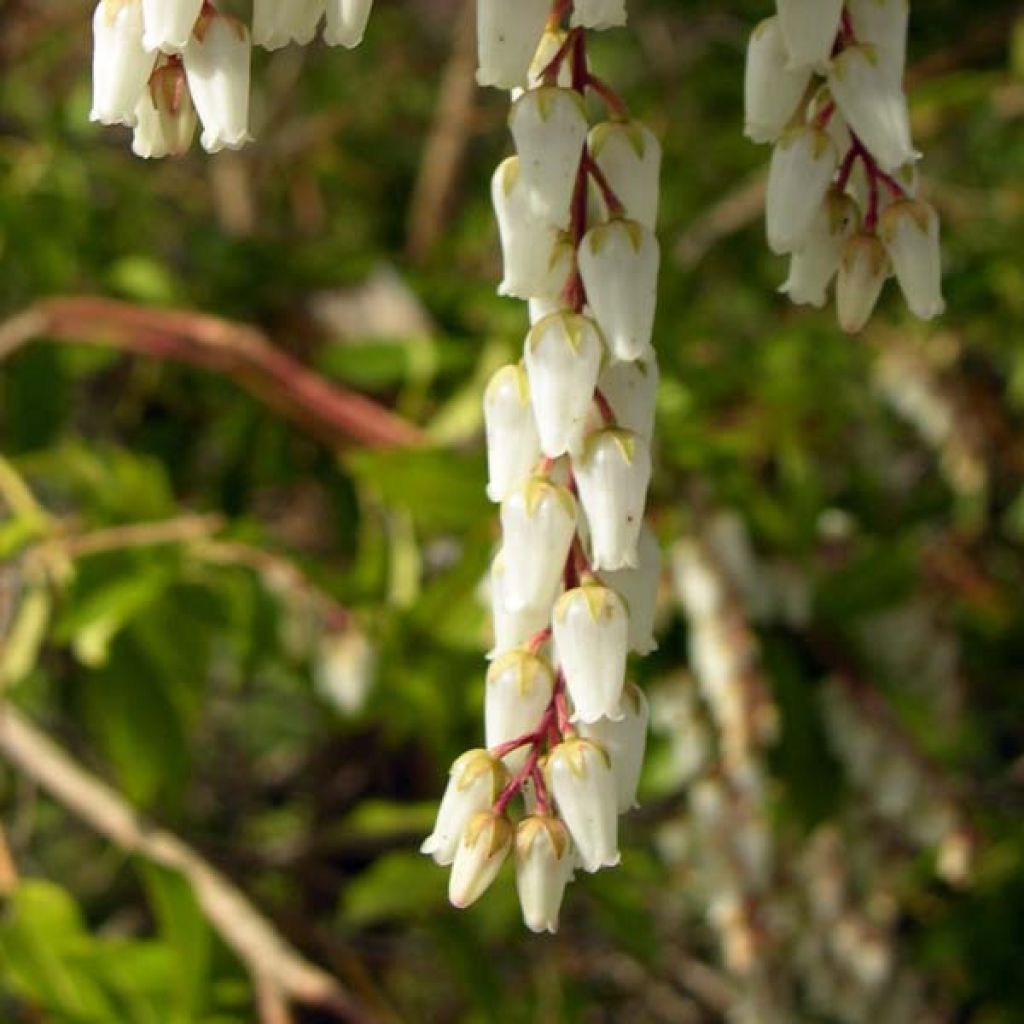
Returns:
(537, 257)
(519, 688)
(549, 126)
(772, 90)
(815, 263)
(630, 390)
(476, 781)
(217, 68)
(511, 627)
(629, 156)
(482, 850)
(624, 737)
(802, 166)
(618, 263)
(543, 869)
(612, 476)
(563, 355)
(598, 14)
(169, 23)
(579, 774)
(591, 631)
(862, 273)
(346, 22)
(883, 24)
(537, 522)
(507, 39)
(909, 230)
(873, 103)
(120, 66)
(639, 589)
(276, 23)
(513, 446)
(166, 118)
(809, 29)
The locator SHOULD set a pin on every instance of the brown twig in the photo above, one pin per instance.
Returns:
(8, 870)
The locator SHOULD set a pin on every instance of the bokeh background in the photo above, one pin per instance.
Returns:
(267, 636)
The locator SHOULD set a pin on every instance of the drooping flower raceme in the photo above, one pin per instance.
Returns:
(569, 431)
(824, 86)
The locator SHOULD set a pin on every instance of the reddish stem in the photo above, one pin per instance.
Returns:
(604, 408)
(539, 639)
(608, 194)
(549, 76)
(612, 100)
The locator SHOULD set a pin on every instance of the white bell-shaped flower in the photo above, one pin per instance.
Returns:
(629, 156)
(862, 273)
(120, 66)
(639, 589)
(537, 257)
(874, 105)
(507, 39)
(625, 739)
(772, 91)
(513, 447)
(883, 24)
(549, 125)
(217, 67)
(482, 850)
(537, 522)
(169, 23)
(346, 22)
(166, 117)
(618, 263)
(909, 230)
(580, 777)
(809, 28)
(276, 23)
(476, 781)
(630, 389)
(518, 691)
(543, 869)
(591, 631)
(511, 628)
(814, 264)
(563, 355)
(802, 166)
(598, 14)
(612, 476)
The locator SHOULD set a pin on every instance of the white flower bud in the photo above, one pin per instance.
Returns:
(625, 739)
(538, 522)
(874, 105)
(549, 126)
(862, 273)
(580, 777)
(513, 447)
(639, 589)
(618, 263)
(217, 67)
(612, 476)
(276, 23)
(883, 24)
(815, 263)
(802, 166)
(485, 845)
(166, 116)
(543, 869)
(476, 781)
(346, 22)
(169, 23)
(809, 28)
(598, 14)
(909, 230)
(563, 357)
(591, 628)
(511, 628)
(507, 39)
(518, 691)
(772, 91)
(630, 389)
(120, 66)
(537, 257)
(629, 156)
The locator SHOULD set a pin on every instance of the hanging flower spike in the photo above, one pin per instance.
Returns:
(120, 65)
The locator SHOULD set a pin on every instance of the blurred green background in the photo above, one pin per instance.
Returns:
(287, 696)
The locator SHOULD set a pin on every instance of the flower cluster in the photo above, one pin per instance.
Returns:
(161, 65)
(569, 427)
(841, 197)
